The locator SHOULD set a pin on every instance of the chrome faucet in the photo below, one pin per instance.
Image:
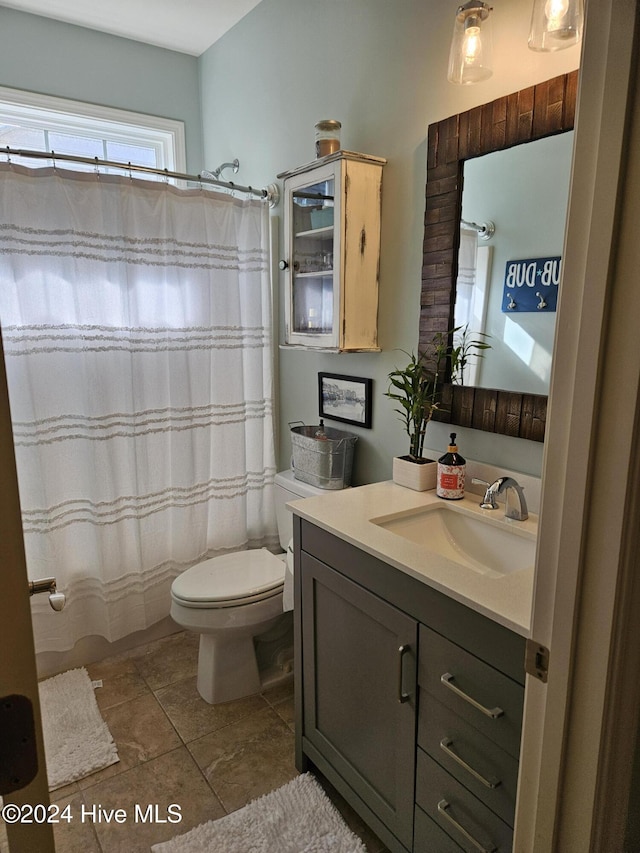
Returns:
(515, 502)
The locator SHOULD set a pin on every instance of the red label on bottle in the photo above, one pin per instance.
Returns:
(449, 481)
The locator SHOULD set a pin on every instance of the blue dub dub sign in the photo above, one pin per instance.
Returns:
(531, 285)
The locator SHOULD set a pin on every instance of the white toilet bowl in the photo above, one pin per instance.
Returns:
(229, 600)
(232, 600)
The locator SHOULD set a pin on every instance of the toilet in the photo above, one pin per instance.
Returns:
(235, 603)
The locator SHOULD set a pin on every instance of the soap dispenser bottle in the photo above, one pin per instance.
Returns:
(451, 471)
(320, 434)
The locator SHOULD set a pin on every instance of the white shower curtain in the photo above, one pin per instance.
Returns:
(137, 331)
(466, 278)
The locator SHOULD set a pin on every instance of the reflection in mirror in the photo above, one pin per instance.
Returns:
(524, 191)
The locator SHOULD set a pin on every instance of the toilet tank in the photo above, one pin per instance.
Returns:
(289, 489)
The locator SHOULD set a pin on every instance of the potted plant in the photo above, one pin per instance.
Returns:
(416, 389)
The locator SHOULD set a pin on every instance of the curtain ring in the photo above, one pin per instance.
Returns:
(53, 158)
(130, 175)
(96, 167)
(166, 175)
(8, 156)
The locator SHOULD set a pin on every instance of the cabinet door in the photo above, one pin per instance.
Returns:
(359, 683)
(312, 248)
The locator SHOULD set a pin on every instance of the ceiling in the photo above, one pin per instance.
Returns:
(189, 26)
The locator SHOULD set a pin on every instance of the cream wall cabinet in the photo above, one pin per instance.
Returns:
(332, 252)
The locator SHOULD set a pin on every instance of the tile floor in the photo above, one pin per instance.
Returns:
(175, 748)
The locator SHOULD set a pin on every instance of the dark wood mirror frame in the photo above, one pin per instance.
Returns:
(542, 110)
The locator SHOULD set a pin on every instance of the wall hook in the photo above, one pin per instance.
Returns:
(542, 303)
(511, 304)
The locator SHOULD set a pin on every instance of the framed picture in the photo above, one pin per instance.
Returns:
(345, 398)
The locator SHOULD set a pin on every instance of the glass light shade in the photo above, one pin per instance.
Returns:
(555, 24)
(470, 58)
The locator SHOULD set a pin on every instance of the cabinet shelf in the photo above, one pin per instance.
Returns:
(312, 274)
(326, 230)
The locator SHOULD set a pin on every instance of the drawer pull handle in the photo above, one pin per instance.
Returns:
(494, 713)
(443, 807)
(446, 744)
(402, 697)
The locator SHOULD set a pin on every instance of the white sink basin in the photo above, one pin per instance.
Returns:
(487, 544)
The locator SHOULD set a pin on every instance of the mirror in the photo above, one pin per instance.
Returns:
(523, 191)
(535, 113)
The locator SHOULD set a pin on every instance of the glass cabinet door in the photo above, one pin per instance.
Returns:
(312, 256)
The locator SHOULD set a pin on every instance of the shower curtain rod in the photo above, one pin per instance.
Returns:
(485, 231)
(270, 193)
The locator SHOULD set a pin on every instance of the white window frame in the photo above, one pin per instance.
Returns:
(30, 109)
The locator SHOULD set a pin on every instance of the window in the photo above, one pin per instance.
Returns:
(45, 123)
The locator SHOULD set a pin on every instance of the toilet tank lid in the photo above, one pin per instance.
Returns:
(237, 575)
(287, 480)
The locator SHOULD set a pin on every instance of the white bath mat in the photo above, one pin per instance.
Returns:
(77, 741)
(297, 818)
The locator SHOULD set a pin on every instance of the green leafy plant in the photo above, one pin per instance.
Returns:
(417, 387)
(464, 349)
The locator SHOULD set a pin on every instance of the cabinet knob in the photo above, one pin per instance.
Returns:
(284, 265)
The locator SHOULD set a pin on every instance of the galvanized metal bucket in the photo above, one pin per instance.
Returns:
(322, 456)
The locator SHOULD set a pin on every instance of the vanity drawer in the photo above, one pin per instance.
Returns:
(490, 701)
(477, 762)
(457, 812)
(429, 838)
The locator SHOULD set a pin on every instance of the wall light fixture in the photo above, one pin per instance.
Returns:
(555, 24)
(470, 55)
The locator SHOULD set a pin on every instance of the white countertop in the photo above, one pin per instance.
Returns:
(506, 598)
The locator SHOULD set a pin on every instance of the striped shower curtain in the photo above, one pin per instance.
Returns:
(137, 333)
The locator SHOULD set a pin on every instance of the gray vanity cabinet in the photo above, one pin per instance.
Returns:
(407, 701)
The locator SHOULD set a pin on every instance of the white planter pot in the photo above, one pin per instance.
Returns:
(419, 476)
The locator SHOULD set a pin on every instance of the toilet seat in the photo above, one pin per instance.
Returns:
(231, 580)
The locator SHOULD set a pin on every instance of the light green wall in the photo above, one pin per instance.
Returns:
(53, 58)
(380, 68)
